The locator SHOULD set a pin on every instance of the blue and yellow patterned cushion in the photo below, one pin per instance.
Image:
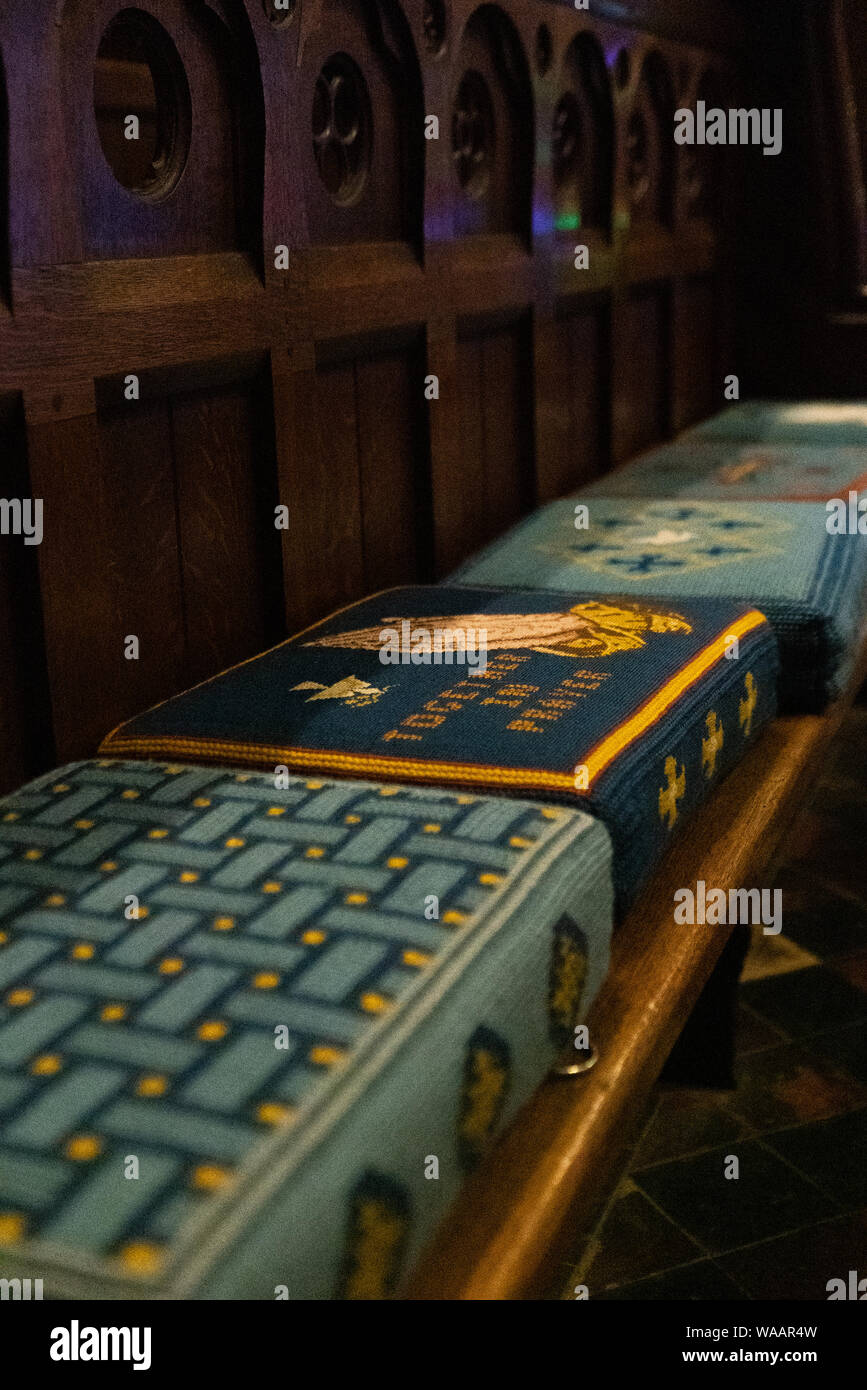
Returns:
(631, 709)
(788, 422)
(778, 556)
(737, 472)
(251, 1037)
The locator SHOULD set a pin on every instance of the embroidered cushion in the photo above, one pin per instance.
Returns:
(332, 992)
(788, 422)
(696, 468)
(601, 702)
(776, 555)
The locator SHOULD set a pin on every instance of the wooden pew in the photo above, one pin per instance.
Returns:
(545, 1184)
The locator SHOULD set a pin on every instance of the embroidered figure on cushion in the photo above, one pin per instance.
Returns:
(568, 975)
(378, 1227)
(485, 1085)
(350, 690)
(748, 704)
(594, 628)
(672, 792)
(711, 745)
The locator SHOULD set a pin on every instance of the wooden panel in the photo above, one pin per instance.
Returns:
(640, 372)
(494, 378)
(25, 745)
(578, 440)
(229, 547)
(698, 378)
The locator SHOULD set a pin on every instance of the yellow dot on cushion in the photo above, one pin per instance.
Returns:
(157, 834)
(490, 880)
(417, 959)
(152, 1086)
(112, 1013)
(83, 950)
(235, 842)
(189, 876)
(324, 1056)
(130, 794)
(10, 816)
(352, 820)
(272, 886)
(83, 824)
(202, 801)
(355, 899)
(270, 1112)
(17, 998)
(432, 828)
(466, 800)
(276, 810)
(520, 842)
(172, 965)
(397, 861)
(12, 1227)
(243, 777)
(374, 1003)
(224, 923)
(314, 786)
(34, 854)
(141, 913)
(4, 937)
(453, 918)
(389, 791)
(141, 1257)
(266, 979)
(61, 787)
(551, 813)
(108, 867)
(208, 1177)
(83, 1147)
(49, 1064)
(314, 852)
(313, 937)
(212, 1031)
(55, 900)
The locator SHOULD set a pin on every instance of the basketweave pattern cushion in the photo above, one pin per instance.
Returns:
(405, 1035)
(596, 701)
(788, 422)
(733, 472)
(776, 555)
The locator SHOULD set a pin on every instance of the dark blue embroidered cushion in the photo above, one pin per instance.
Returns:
(630, 708)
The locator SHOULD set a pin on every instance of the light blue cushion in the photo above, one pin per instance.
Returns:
(427, 955)
(788, 422)
(736, 472)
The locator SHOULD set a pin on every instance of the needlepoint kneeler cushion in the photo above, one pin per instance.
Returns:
(737, 472)
(778, 556)
(601, 702)
(788, 422)
(327, 987)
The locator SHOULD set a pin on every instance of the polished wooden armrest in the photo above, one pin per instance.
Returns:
(551, 1171)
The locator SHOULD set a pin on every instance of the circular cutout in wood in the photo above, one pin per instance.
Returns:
(342, 129)
(473, 134)
(141, 102)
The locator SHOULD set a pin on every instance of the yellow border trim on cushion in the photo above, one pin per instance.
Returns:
(314, 760)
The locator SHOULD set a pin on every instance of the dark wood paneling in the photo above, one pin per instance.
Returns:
(698, 379)
(641, 371)
(298, 377)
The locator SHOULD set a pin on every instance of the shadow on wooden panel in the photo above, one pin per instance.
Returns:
(640, 370)
(26, 743)
(360, 114)
(494, 378)
(492, 129)
(650, 148)
(582, 140)
(5, 281)
(167, 129)
(578, 398)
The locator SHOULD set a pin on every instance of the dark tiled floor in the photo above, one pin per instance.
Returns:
(796, 1216)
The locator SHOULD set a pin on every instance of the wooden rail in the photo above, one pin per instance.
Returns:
(553, 1169)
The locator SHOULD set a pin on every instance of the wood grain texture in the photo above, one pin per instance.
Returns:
(552, 1170)
(282, 318)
